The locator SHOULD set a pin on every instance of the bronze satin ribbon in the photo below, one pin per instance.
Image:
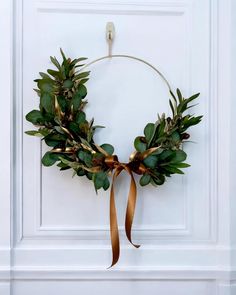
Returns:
(113, 163)
(133, 166)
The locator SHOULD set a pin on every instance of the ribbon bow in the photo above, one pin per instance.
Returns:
(112, 162)
(133, 166)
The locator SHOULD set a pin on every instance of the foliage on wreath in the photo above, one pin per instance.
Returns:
(61, 122)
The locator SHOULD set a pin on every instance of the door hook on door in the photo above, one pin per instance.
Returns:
(110, 34)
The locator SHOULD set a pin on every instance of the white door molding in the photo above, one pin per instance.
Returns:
(210, 254)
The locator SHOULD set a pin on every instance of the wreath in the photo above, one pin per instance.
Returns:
(61, 122)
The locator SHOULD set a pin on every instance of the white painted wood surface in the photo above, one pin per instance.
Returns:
(186, 227)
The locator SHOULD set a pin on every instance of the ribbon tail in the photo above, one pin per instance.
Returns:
(114, 232)
(130, 208)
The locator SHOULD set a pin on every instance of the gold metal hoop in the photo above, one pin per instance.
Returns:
(130, 57)
(110, 34)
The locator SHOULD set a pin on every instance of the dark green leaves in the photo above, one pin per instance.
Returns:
(80, 117)
(33, 132)
(108, 148)
(100, 180)
(179, 156)
(46, 85)
(149, 131)
(169, 156)
(86, 157)
(62, 124)
(145, 179)
(49, 159)
(40, 132)
(140, 144)
(76, 101)
(63, 55)
(62, 102)
(189, 121)
(55, 62)
(170, 162)
(47, 102)
(35, 117)
(151, 161)
(183, 103)
(158, 179)
(81, 75)
(68, 84)
(172, 107)
(55, 140)
(82, 90)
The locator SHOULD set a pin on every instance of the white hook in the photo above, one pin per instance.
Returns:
(110, 33)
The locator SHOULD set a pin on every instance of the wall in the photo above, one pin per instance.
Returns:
(185, 227)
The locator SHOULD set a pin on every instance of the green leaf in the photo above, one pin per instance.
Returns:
(72, 164)
(173, 170)
(108, 148)
(175, 137)
(47, 102)
(106, 184)
(33, 133)
(167, 155)
(74, 127)
(68, 84)
(140, 144)
(55, 62)
(158, 179)
(45, 76)
(89, 175)
(99, 180)
(49, 159)
(86, 157)
(192, 121)
(55, 139)
(80, 117)
(145, 179)
(191, 98)
(172, 94)
(151, 161)
(35, 117)
(76, 101)
(180, 156)
(181, 165)
(46, 85)
(81, 75)
(82, 90)
(183, 106)
(81, 172)
(160, 129)
(37, 91)
(180, 97)
(63, 166)
(56, 74)
(172, 107)
(40, 133)
(83, 81)
(63, 55)
(172, 157)
(77, 60)
(48, 117)
(62, 103)
(149, 131)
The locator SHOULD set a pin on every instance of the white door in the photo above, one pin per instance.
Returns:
(60, 240)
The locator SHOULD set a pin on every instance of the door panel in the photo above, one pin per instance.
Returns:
(61, 224)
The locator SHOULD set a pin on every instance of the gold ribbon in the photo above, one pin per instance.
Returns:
(113, 163)
(134, 165)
